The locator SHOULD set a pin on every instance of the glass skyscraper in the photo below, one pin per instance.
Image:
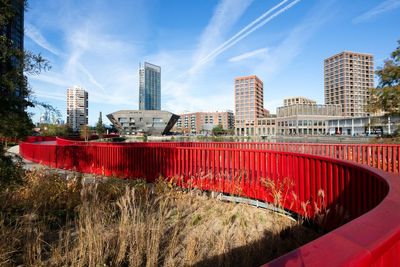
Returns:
(149, 87)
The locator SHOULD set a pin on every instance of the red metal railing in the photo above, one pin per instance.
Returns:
(34, 139)
(69, 141)
(9, 139)
(368, 197)
(382, 156)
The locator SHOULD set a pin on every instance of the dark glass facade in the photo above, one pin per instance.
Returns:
(13, 30)
(149, 87)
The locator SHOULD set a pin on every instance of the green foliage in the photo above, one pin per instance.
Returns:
(218, 130)
(10, 173)
(100, 128)
(386, 97)
(118, 139)
(55, 130)
(85, 132)
(389, 75)
(230, 131)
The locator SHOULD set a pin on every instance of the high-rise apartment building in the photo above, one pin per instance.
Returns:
(77, 107)
(149, 87)
(348, 76)
(249, 104)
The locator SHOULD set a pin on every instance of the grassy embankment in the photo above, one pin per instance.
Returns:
(50, 220)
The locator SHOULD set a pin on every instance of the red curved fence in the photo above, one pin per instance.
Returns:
(382, 156)
(366, 198)
(8, 139)
(34, 139)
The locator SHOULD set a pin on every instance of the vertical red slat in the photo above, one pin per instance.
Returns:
(222, 171)
(394, 150)
(384, 158)
(252, 183)
(398, 159)
(379, 156)
(307, 180)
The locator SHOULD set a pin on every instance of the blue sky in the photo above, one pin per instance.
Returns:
(201, 46)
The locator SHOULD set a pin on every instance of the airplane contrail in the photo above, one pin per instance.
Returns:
(251, 27)
(244, 29)
(259, 25)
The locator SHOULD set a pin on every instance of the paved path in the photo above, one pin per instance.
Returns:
(29, 165)
(13, 150)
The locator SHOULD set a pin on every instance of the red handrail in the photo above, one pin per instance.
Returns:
(382, 156)
(9, 139)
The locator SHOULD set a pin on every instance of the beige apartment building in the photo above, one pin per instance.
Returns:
(297, 100)
(77, 107)
(305, 119)
(266, 126)
(203, 122)
(249, 104)
(348, 76)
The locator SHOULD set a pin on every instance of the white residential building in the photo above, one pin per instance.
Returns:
(77, 107)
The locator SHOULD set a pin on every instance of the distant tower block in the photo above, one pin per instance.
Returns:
(77, 107)
(149, 87)
(348, 76)
(249, 104)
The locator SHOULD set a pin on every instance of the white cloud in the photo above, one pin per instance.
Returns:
(35, 35)
(178, 84)
(90, 77)
(50, 95)
(181, 88)
(282, 55)
(384, 7)
(226, 14)
(51, 78)
(247, 55)
(251, 27)
(90, 60)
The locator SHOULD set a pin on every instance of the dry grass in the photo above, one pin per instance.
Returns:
(53, 221)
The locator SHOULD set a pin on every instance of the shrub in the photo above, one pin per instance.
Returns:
(10, 172)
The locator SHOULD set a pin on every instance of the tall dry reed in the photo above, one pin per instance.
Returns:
(54, 221)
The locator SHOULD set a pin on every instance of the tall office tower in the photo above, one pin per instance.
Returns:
(249, 104)
(77, 107)
(149, 87)
(348, 77)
